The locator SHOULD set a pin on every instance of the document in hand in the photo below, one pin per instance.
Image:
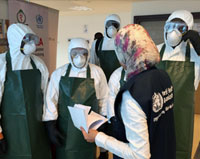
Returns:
(81, 117)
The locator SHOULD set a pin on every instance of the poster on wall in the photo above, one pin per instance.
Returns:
(4, 23)
(39, 18)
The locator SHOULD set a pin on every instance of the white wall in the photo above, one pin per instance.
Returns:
(72, 26)
(163, 7)
(3, 9)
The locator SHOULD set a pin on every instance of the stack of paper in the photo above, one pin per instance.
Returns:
(81, 117)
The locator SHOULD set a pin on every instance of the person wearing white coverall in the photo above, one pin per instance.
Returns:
(102, 50)
(179, 57)
(23, 82)
(77, 82)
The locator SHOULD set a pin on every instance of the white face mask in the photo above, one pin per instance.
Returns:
(29, 48)
(111, 31)
(174, 38)
(79, 61)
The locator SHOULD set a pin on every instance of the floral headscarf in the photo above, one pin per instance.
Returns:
(135, 49)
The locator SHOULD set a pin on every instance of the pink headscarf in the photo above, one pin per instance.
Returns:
(135, 49)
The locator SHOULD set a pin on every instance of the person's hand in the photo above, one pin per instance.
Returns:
(90, 136)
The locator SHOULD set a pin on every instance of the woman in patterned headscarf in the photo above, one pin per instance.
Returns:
(144, 105)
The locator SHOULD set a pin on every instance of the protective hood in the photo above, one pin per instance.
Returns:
(78, 43)
(114, 17)
(108, 43)
(135, 49)
(184, 15)
(15, 34)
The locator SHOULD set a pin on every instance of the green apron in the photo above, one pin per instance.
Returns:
(182, 76)
(74, 90)
(108, 60)
(21, 110)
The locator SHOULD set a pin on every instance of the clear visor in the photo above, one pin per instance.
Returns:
(112, 23)
(31, 37)
(79, 52)
(170, 26)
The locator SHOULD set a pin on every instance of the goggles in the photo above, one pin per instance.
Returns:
(112, 23)
(170, 26)
(31, 37)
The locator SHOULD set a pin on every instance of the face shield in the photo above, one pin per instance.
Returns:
(79, 57)
(113, 23)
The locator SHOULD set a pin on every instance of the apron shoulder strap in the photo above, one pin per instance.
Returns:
(99, 47)
(162, 51)
(8, 61)
(123, 74)
(187, 55)
(88, 72)
(33, 64)
(69, 69)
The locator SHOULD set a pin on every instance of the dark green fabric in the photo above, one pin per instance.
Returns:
(108, 60)
(182, 76)
(21, 110)
(122, 82)
(74, 90)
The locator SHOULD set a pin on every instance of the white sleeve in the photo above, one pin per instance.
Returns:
(50, 110)
(136, 128)
(114, 86)
(2, 77)
(93, 56)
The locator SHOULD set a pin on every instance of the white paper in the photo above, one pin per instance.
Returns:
(95, 120)
(81, 118)
(78, 117)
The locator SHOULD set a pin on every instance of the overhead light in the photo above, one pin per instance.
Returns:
(80, 8)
